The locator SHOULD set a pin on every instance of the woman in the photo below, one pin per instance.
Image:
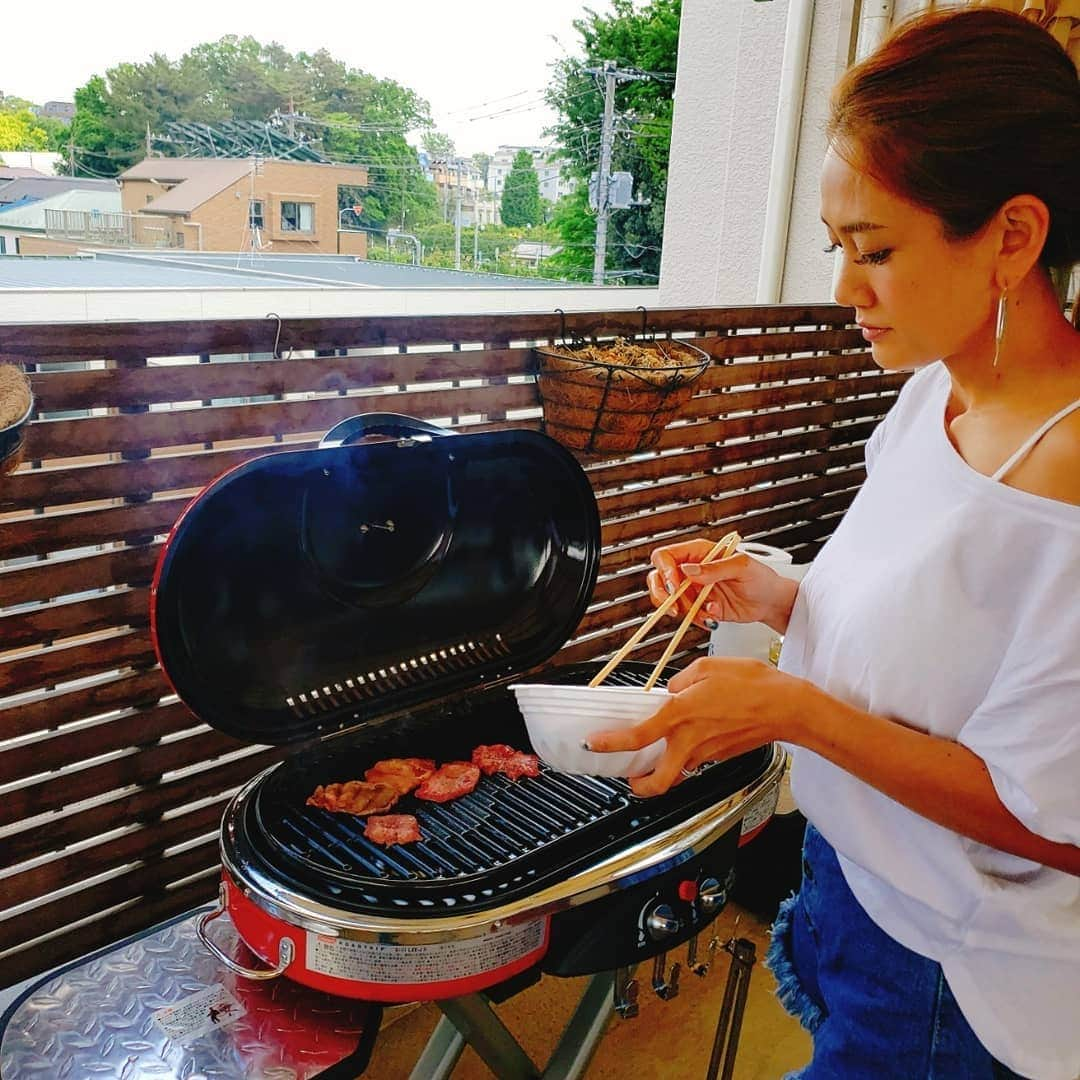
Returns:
(929, 684)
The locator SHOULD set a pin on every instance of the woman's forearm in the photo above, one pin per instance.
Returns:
(938, 779)
(778, 618)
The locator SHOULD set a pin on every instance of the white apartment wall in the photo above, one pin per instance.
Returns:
(726, 93)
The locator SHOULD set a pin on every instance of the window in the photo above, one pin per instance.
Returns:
(255, 214)
(179, 238)
(297, 217)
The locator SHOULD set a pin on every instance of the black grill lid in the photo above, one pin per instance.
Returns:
(313, 590)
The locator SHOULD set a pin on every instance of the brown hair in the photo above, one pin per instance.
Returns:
(958, 111)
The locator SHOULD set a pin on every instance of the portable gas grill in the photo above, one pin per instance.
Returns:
(374, 599)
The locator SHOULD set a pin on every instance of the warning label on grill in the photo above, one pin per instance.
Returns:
(761, 811)
(368, 961)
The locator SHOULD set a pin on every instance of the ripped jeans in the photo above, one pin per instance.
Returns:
(876, 1010)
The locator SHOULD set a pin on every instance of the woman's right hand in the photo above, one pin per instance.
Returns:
(744, 589)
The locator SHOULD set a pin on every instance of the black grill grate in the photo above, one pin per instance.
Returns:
(490, 827)
(504, 837)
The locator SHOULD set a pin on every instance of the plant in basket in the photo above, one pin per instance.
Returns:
(16, 405)
(615, 397)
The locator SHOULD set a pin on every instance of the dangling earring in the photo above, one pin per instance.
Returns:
(1002, 317)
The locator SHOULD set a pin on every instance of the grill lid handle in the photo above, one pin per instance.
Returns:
(356, 428)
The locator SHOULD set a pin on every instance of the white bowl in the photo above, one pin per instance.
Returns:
(560, 718)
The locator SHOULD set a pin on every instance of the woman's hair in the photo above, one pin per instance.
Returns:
(958, 111)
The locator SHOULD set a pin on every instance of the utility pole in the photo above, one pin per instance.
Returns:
(149, 142)
(71, 154)
(457, 218)
(476, 230)
(612, 75)
(600, 253)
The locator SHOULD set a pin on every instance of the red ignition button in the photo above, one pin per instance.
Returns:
(688, 891)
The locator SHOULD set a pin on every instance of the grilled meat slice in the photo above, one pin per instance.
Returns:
(402, 774)
(354, 797)
(388, 829)
(498, 757)
(451, 781)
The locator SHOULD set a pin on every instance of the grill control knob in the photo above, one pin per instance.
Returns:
(712, 895)
(661, 922)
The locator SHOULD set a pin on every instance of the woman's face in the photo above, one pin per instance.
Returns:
(918, 296)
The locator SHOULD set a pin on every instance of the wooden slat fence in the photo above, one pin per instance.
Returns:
(110, 789)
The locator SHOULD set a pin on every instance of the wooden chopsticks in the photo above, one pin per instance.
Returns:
(720, 550)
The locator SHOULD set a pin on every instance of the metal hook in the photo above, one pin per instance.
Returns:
(644, 317)
(277, 336)
(562, 324)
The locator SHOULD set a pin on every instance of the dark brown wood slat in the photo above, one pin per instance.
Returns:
(57, 708)
(131, 479)
(72, 617)
(66, 662)
(142, 842)
(75, 826)
(765, 525)
(61, 390)
(184, 427)
(622, 611)
(149, 878)
(713, 457)
(736, 346)
(729, 480)
(38, 956)
(40, 534)
(65, 748)
(628, 581)
(763, 348)
(141, 766)
(782, 396)
(733, 505)
(51, 578)
(847, 368)
(62, 341)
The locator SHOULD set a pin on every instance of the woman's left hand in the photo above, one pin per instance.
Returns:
(721, 707)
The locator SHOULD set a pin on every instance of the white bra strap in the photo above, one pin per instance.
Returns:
(1029, 444)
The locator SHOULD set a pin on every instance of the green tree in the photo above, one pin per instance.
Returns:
(235, 78)
(22, 130)
(106, 142)
(521, 193)
(645, 39)
(397, 194)
(438, 145)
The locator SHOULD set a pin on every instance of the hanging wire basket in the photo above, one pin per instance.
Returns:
(617, 397)
(16, 408)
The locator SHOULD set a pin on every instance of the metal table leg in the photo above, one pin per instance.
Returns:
(441, 1054)
(473, 1016)
(584, 1031)
(470, 1019)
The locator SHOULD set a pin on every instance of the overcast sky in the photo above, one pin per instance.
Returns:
(468, 58)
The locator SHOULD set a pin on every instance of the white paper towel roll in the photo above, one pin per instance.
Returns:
(754, 639)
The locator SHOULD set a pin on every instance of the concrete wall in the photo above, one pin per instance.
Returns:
(726, 94)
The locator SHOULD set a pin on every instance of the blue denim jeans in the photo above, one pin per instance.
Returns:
(876, 1009)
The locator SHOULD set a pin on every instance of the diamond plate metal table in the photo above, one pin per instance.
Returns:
(159, 1006)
